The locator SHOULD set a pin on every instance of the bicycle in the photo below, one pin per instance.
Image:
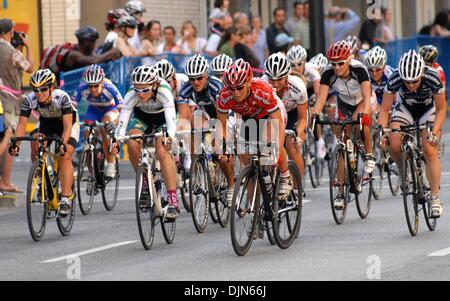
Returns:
(347, 170)
(150, 195)
(182, 176)
(91, 172)
(43, 189)
(282, 218)
(415, 188)
(313, 163)
(207, 186)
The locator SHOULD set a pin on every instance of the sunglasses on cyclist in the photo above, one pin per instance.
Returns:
(412, 82)
(194, 79)
(340, 64)
(375, 70)
(142, 91)
(41, 90)
(238, 88)
(93, 86)
(296, 65)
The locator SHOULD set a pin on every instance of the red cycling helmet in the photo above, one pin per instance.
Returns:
(339, 51)
(238, 74)
(114, 15)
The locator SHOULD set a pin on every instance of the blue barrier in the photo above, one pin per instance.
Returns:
(395, 50)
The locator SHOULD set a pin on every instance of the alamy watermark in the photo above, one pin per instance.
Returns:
(374, 270)
(374, 9)
(74, 270)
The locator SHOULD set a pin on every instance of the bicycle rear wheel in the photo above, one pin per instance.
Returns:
(145, 212)
(37, 209)
(393, 177)
(199, 195)
(313, 164)
(364, 185)
(409, 187)
(244, 211)
(426, 207)
(338, 164)
(183, 190)
(65, 224)
(110, 190)
(86, 184)
(288, 214)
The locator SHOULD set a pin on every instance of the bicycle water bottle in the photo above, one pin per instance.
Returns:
(351, 153)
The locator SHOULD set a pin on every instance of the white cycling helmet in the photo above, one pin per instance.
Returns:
(320, 62)
(376, 58)
(277, 66)
(297, 55)
(196, 66)
(144, 75)
(220, 64)
(93, 75)
(165, 69)
(134, 7)
(411, 66)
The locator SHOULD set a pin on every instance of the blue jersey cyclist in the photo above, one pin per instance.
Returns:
(104, 101)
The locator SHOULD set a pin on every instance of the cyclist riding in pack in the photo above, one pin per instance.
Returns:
(57, 117)
(219, 65)
(253, 99)
(105, 102)
(355, 44)
(152, 105)
(176, 80)
(292, 91)
(320, 62)
(430, 55)
(422, 98)
(375, 62)
(350, 79)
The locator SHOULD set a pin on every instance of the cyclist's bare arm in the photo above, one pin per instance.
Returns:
(366, 89)
(278, 124)
(185, 116)
(388, 101)
(67, 125)
(21, 126)
(316, 87)
(321, 98)
(302, 120)
(222, 130)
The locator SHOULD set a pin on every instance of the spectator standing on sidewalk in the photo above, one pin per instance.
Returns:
(301, 33)
(224, 23)
(13, 64)
(276, 28)
(259, 41)
(341, 22)
(293, 22)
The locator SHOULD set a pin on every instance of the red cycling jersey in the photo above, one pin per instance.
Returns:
(261, 102)
(438, 68)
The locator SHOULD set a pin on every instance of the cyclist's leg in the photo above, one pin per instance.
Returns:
(110, 117)
(366, 128)
(135, 127)
(292, 148)
(400, 117)
(431, 153)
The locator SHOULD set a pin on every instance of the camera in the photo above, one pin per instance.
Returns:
(17, 39)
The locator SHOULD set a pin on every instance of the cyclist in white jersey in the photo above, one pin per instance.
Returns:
(350, 80)
(152, 105)
(422, 98)
(176, 80)
(292, 92)
(219, 65)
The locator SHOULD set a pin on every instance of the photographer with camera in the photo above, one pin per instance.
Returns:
(13, 64)
(341, 22)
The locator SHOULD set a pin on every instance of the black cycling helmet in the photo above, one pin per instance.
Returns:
(429, 53)
(88, 33)
(127, 21)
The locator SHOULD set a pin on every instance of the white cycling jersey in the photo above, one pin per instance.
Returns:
(294, 94)
(162, 101)
(311, 75)
(181, 80)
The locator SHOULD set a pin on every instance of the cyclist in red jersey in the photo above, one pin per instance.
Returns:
(430, 55)
(253, 99)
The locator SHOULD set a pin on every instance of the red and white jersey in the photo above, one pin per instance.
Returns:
(262, 101)
(438, 68)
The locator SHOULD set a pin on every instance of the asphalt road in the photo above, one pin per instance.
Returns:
(106, 245)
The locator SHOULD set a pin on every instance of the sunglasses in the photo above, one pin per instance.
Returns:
(143, 91)
(412, 82)
(237, 88)
(93, 86)
(41, 90)
(297, 65)
(194, 79)
(340, 64)
(376, 70)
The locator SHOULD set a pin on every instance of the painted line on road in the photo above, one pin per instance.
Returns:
(100, 249)
(440, 253)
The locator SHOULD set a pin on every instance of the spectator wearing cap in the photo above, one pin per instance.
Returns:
(293, 22)
(283, 42)
(12, 66)
(275, 29)
(83, 53)
(341, 22)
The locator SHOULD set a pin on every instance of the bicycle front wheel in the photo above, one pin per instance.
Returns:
(364, 187)
(199, 195)
(37, 207)
(338, 183)
(86, 184)
(426, 206)
(244, 210)
(409, 187)
(65, 224)
(110, 190)
(145, 212)
(288, 214)
(379, 173)
(393, 177)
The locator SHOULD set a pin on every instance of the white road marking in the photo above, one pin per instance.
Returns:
(443, 252)
(100, 249)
